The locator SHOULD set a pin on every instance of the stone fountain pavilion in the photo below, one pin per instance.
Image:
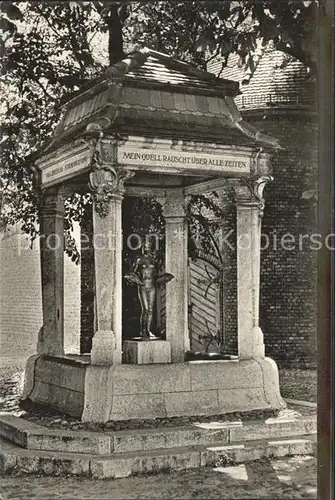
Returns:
(150, 125)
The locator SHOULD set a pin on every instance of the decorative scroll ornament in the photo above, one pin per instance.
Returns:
(106, 182)
(258, 188)
(251, 191)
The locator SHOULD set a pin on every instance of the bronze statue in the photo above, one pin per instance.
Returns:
(146, 278)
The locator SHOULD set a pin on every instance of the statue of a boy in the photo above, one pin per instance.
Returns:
(146, 278)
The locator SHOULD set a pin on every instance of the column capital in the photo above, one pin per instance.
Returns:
(53, 200)
(249, 193)
(106, 183)
(174, 205)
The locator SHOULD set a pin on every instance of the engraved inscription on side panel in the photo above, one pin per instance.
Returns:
(65, 167)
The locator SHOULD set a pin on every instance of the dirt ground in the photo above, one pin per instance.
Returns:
(288, 478)
(298, 384)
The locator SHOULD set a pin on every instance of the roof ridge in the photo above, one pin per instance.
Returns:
(188, 68)
(132, 61)
(135, 60)
(118, 70)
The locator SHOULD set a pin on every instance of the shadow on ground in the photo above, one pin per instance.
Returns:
(288, 478)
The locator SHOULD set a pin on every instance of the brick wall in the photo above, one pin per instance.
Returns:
(72, 282)
(21, 297)
(288, 305)
(279, 97)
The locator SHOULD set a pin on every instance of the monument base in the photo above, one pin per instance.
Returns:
(146, 352)
(100, 393)
(103, 349)
(56, 383)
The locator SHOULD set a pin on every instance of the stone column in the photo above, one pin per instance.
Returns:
(107, 186)
(51, 335)
(176, 263)
(249, 211)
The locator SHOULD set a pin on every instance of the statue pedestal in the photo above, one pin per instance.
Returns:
(146, 352)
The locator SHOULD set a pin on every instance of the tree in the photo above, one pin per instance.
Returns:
(43, 59)
(212, 28)
(49, 50)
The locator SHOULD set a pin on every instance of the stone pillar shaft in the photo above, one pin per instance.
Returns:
(107, 236)
(249, 211)
(176, 262)
(107, 185)
(51, 337)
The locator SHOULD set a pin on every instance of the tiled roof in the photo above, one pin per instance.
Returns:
(277, 80)
(177, 125)
(161, 95)
(173, 72)
(148, 67)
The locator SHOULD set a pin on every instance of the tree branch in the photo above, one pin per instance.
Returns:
(213, 56)
(298, 54)
(3, 194)
(47, 20)
(44, 90)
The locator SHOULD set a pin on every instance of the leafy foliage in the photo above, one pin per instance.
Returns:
(198, 31)
(143, 219)
(203, 215)
(44, 58)
(50, 49)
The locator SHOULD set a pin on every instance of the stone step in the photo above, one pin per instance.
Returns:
(127, 464)
(34, 437)
(31, 436)
(117, 465)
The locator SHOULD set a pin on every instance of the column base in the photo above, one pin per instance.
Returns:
(46, 344)
(146, 352)
(258, 338)
(251, 346)
(45, 348)
(103, 349)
